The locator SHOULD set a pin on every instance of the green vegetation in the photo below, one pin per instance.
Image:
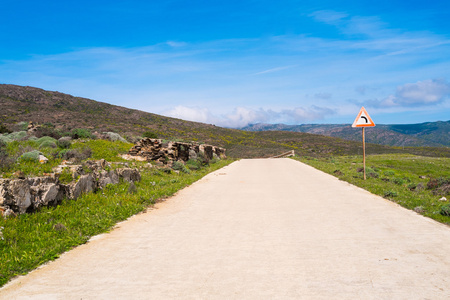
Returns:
(81, 133)
(415, 182)
(150, 134)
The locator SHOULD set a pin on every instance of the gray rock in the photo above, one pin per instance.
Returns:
(107, 177)
(20, 189)
(128, 174)
(86, 184)
(192, 154)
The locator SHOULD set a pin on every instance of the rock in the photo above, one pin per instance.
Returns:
(20, 189)
(86, 184)
(443, 199)
(107, 177)
(419, 209)
(43, 159)
(59, 227)
(19, 175)
(192, 154)
(166, 153)
(9, 213)
(128, 174)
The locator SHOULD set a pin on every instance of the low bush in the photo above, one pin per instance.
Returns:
(46, 142)
(193, 164)
(150, 134)
(64, 142)
(15, 136)
(112, 136)
(445, 210)
(81, 133)
(32, 156)
(48, 131)
(390, 194)
(76, 155)
(389, 173)
(398, 181)
(178, 165)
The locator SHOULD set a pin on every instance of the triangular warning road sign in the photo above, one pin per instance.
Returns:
(363, 119)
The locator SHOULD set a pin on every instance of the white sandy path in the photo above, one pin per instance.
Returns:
(257, 229)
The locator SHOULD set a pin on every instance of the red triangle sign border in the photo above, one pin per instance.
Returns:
(368, 120)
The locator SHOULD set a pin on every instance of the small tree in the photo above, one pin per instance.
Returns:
(150, 134)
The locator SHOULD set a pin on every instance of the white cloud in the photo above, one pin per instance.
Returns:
(422, 92)
(419, 94)
(191, 114)
(241, 116)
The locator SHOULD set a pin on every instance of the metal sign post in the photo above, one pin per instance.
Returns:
(363, 120)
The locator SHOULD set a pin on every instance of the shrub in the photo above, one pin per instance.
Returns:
(31, 156)
(5, 139)
(398, 181)
(112, 136)
(62, 154)
(150, 134)
(18, 135)
(390, 194)
(178, 165)
(193, 164)
(65, 177)
(81, 133)
(49, 131)
(445, 210)
(5, 160)
(389, 173)
(76, 154)
(64, 142)
(46, 142)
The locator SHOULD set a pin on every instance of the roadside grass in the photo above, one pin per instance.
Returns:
(29, 240)
(401, 178)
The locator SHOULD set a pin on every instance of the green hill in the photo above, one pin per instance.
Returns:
(432, 134)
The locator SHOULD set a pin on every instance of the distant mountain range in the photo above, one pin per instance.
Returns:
(432, 134)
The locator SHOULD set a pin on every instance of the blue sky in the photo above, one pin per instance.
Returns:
(231, 63)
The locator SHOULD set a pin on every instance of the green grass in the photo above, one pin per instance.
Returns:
(395, 177)
(30, 240)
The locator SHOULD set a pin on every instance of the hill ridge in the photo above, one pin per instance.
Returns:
(432, 134)
(66, 112)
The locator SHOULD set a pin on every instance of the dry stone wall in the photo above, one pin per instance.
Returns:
(168, 152)
(19, 196)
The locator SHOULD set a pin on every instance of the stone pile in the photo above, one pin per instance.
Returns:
(168, 152)
(19, 196)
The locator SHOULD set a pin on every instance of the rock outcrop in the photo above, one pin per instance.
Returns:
(18, 196)
(168, 152)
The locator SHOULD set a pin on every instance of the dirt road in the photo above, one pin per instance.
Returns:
(257, 229)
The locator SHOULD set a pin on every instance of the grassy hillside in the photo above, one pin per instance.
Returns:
(432, 134)
(65, 112)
